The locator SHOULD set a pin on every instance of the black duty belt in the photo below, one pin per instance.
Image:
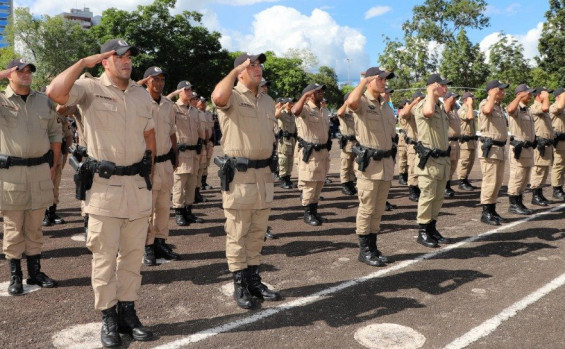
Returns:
(409, 140)
(349, 137)
(424, 153)
(6, 161)
(185, 147)
(465, 139)
(453, 139)
(497, 143)
(525, 144)
(558, 137)
(364, 155)
(107, 169)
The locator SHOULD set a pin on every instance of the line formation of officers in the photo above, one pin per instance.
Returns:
(137, 145)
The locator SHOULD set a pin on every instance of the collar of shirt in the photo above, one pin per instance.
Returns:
(312, 105)
(244, 90)
(105, 80)
(9, 92)
(378, 100)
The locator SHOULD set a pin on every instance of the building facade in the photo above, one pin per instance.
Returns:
(6, 10)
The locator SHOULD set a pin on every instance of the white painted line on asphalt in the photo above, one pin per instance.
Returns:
(255, 317)
(492, 324)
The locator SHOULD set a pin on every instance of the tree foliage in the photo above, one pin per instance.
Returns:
(552, 41)
(327, 76)
(507, 62)
(285, 74)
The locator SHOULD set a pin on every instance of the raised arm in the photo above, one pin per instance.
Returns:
(297, 107)
(223, 90)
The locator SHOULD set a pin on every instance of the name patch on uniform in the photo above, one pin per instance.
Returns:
(247, 105)
(105, 97)
(12, 107)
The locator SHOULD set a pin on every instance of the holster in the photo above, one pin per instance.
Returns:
(199, 146)
(64, 149)
(361, 157)
(487, 144)
(279, 136)
(145, 170)
(558, 137)
(4, 161)
(226, 172)
(342, 141)
(542, 143)
(307, 152)
(424, 154)
(83, 177)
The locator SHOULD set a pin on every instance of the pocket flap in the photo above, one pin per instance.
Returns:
(14, 186)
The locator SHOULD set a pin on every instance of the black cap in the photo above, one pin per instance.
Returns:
(20, 64)
(450, 94)
(467, 95)
(437, 78)
(389, 90)
(184, 84)
(120, 46)
(280, 100)
(203, 99)
(194, 95)
(315, 87)
(243, 57)
(417, 94)
(541, 89)
(264, 82)
(153, 71)
(558, 91)
(402, 103)
(381, 73)
(523, 88)
(496, 83)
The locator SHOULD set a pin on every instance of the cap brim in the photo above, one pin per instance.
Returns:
(260, 57)
(386, 75)
(133, 51)
(31, 66)
(445, 82)
(504, 86)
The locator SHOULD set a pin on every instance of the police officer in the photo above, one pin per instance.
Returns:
(190, 134)
(314, 142)
(544, 149)
(247, 120)
(209, 124)
(523, 136)
(163, 111)
(286, 140)
(375, 130)
(453, 136)
(411, 138)
(203, 157)
(402, 153)
(467, 142)
(492, 125)
(557, 113)
(120, 132)
(30, 142)
(432, 161)
(346, 142)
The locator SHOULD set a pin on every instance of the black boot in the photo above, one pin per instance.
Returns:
(365, 254)
(180, 218)
(286, 183)
(309, 217)
(403, 178)
(317, 215)
(346, 189)
(449, 193)
(413, 193)
(149, 255)
(521, 203)
(86, 223)
(240, 292)
(36, 277)
(465, 185)
(109, 335)
(424, 238)
(190, 217)
(128, 322)
(53, 218)
(162, 250)
(496, 215)
(16, 288)
(487, 216)
(433, 232)
(198, 198)
(205, 185)
(374, 250)
(516, 206)
(389, 206)
(538, 198)
(256, 288)
(46, 221)
(352, 187)
(558, 193)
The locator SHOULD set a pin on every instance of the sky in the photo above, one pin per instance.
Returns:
(347, 35)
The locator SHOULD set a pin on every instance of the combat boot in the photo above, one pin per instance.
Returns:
(413, 193)
(198, 198)
(240, 292)
(162, 250)
(449, 193)
(424, 238)
(464, 184)
(309, 217)
(374, 250)
(36, 277)
(521, 203)
(205, 185)
(516, 206)
(317, 215)
(487, 216)
(53, 217)
(286, 183)
(128, 322)
(434, 233)
(256, 288)
(558, 193)
(346, 189)
(149, 255)
(16, 288)
(538, 198)
(109, 335)
(496, 215)
(180, 218)
(46, 221)
(86, 223)
(190, 217)
(352, 187)
(403, 178)
(365, 254)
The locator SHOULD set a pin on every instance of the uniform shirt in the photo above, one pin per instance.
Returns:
(313, 123)
(375, 128)
(542, 123)
(347, 123)
(558, 123)
(204, 135)
(163, 114)
(493, 126)
(454, 131)
(188, 131)
(247, 122)
(521, 125)
(468, 128)
(287, 121)
(27, 130)
(432, 132)
(114, 123)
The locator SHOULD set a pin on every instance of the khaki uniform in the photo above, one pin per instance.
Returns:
(164, 114)
(374, 128)
(119, 207)
(347, 158)
(286, 146)
(27, 130)
(558, 169)
(402, 153)
(433, 133)
(313, 126)
(521, 125)
(74, 112)
(247, 123)
(467, 150)
(188, 131)
(412, 133)
(454, 133)
(204, 153)
(542, 123)
(492, 166)
(65, 132)
(209, 142)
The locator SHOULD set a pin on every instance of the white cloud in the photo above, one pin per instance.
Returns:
(509, 10)
(529, 41)
(377, 11)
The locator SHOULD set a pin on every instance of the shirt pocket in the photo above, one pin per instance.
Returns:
(14, 193)
(105, 196)
(106, 115)
(8, 116)
(44, 121)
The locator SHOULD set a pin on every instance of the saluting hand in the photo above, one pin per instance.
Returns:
(4, 73)
(144, 80)
(92, 61)
(431, 89)
(240, 68)
(469, 102)
(493, 92)
(544, 94)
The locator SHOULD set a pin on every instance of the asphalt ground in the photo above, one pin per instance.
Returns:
(495, 287)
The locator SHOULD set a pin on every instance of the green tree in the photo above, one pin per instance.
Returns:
(541, 77)
(285, 74)
(327, 76)
(507, 62)
(551, 44)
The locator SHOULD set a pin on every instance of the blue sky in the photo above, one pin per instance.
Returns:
(346, 35)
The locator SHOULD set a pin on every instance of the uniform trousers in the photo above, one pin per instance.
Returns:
(493, 172)
(372, 203)
(183, 189)
(466, 162)
(22, 232)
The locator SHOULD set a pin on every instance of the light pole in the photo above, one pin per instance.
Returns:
(348, 80)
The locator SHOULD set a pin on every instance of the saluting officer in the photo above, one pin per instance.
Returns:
(346, 142)
(247, 120)
(544, 148)
(30, 142)
(454, 133)
(314, 143)
(467, 141)
(374, 125)
(557, 113)
(287, 135)
(209, 124)
(411, 138)
(522, 141)
(120, 133)
(203, 157)
(402, 154)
